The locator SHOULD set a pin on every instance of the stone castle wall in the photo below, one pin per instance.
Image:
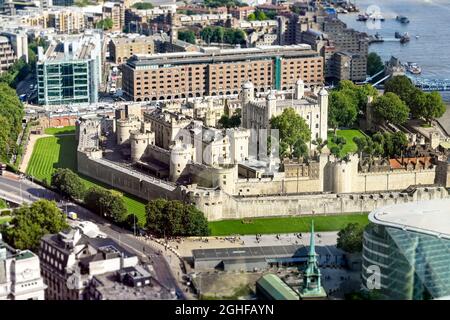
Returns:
(226, 207)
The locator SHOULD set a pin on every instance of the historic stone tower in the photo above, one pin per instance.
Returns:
(180, 155)
(247, 96)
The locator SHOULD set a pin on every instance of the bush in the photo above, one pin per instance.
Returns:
(174, 218)
(107, 203)
(68, 183)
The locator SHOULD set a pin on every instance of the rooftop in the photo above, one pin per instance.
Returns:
(429, 217)
(216, 55)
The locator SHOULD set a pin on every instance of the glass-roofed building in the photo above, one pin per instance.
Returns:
(70, 70)
(406, 251)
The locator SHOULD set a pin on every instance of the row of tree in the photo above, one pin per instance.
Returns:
(260, 15)
(164, 217)
(223, 35)
(346, 102)
(421, 105)
(382, 144)
(187, 35)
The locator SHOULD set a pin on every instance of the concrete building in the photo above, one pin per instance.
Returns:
(405, 251)
(7, 54)
(70, 259)
(70, 70)
(123, 48)
(62, 3)
(116, 12)
(20, 274)
(214, 72)
(66, 21)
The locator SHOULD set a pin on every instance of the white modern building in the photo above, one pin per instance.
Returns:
(406, 251)
(20, 274)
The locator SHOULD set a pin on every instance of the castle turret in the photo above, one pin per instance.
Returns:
(247, 96)
(139, 142)
(299, 89)
(323, 105)
(180, 155)
(123, 128)
(271, 106)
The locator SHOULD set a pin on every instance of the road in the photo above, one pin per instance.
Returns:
(27, 191)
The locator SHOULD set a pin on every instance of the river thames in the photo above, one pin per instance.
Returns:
(429, 21)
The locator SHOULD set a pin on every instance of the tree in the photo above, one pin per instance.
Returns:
(108, 203)
(293, 133)
(174, 218)
(343, 110)
(231, 122)
(11, 112)
(68, 182)
(402, 86)
(105, 24)
(187, 35)
(143, 6)
(132, 220)
(391, 108)
(427, 105)
(31, 222)
(374, 64)
(5, 141)
(320, 144)
(350, 238)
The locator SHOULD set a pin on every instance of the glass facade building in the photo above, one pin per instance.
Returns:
(67, 82)
(413, 265)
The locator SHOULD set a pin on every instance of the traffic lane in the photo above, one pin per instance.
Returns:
(162, 270)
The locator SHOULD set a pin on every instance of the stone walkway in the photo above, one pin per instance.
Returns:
(29, 150)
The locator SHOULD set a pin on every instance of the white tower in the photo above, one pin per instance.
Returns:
(323, 105)
(299, 89)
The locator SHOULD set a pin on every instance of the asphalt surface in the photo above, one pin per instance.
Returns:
(28, 191)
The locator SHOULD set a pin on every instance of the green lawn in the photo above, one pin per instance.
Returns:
(348, 135)
(55, 152)
(285, 224)
(63, 130)
(50, 153)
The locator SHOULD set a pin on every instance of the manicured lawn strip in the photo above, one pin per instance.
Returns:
(348, 135)
(63, 130)
(55, 152)
(285, 224)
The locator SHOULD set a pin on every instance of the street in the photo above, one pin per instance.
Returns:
(26, 191)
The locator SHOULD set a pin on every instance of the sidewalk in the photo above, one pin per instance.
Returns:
(175, 261)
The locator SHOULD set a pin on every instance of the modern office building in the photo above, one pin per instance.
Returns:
(70, 71)
(20, 274)
(218, 72)
(406, 251)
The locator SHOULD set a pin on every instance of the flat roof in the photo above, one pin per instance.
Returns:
(277, 288)
(430, 217)
(261, 252)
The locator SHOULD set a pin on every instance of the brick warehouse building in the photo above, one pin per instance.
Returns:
(216, 72)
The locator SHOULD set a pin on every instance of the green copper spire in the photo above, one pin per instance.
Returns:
(312, 287)
(312, 247)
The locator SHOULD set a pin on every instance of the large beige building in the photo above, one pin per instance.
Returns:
(216, 72)
(123, 48)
